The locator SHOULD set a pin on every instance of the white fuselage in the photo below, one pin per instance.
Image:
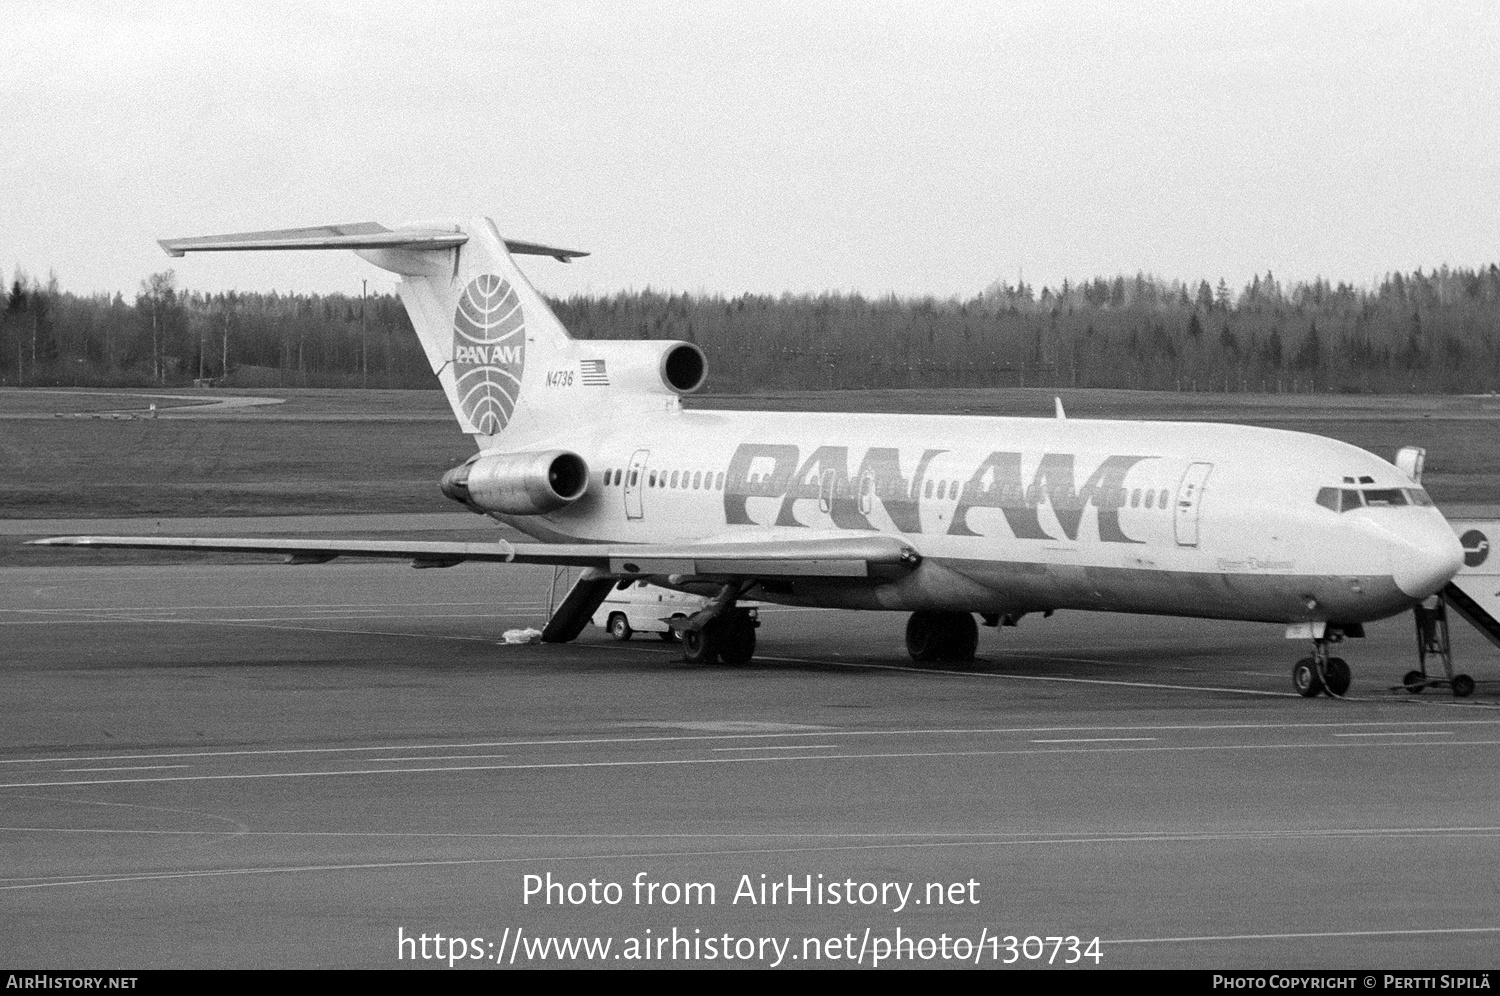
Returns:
(1014, 515)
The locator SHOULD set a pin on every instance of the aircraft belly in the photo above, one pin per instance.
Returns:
(988, 586)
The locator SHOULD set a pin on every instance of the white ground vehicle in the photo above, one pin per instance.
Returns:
(645, 608)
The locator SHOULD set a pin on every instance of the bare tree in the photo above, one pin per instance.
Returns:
(158, 292)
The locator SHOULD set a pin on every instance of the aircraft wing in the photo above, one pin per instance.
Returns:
(876, 557)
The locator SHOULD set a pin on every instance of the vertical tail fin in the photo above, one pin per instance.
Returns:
(486, 330)
(506, 363)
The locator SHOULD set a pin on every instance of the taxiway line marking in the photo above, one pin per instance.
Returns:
(1118, 682)
(430, 757)
(14, 884)
(311, 605)
(780, 735)
(1092, 740)
(783, 747)
(660, 762)
(1400, 733)
(133, 767)
(159, 620)
(997, 835)
(1046, 678)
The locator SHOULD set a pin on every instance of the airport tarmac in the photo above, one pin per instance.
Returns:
(262, 765)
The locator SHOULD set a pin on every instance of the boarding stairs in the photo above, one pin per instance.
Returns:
(1474, 594)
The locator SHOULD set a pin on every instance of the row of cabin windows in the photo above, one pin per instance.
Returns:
(948, 490)
(695, 480)
(1348, 499)
(942, 490)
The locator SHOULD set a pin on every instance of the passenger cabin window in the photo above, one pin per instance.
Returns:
(1329, 498)
(1162, 499)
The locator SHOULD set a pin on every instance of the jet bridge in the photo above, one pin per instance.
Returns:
(1474, 594)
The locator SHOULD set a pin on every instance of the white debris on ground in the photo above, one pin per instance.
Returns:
(527, 635)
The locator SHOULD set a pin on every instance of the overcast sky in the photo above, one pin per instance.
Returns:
(920, 148)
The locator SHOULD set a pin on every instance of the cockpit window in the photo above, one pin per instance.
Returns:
(1348, 499)
(1385, 496)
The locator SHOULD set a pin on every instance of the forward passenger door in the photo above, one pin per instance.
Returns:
(635, 481)
(1189, 503)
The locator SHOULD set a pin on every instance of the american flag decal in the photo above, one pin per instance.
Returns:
(594, 374)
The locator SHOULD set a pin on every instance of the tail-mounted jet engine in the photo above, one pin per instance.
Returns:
(518, 483)
(648, 367)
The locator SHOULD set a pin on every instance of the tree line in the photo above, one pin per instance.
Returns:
(1424, 332)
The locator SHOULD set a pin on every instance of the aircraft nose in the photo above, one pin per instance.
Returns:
(1425, 554)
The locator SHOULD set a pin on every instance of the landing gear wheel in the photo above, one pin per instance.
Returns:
(1305, 678)
(1336, 677)
(963, 637)
(924, 638)
(671, 635)
(1463, 686)
(941, 636)
(701, 646)
(619, 626)
(737, 645)
(1414, 682)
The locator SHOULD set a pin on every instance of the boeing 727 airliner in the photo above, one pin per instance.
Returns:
(585, 446)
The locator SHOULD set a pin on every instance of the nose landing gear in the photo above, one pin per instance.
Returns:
(1320, 672)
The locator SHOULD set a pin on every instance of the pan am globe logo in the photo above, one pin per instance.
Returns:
(489, 339)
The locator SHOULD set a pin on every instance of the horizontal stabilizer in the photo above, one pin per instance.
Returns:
(876, 557)
(361, 235)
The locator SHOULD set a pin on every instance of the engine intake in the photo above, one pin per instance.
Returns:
(518, 483)
(684, 368)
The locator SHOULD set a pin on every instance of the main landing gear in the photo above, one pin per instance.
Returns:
(941, 636)
(719, 631)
